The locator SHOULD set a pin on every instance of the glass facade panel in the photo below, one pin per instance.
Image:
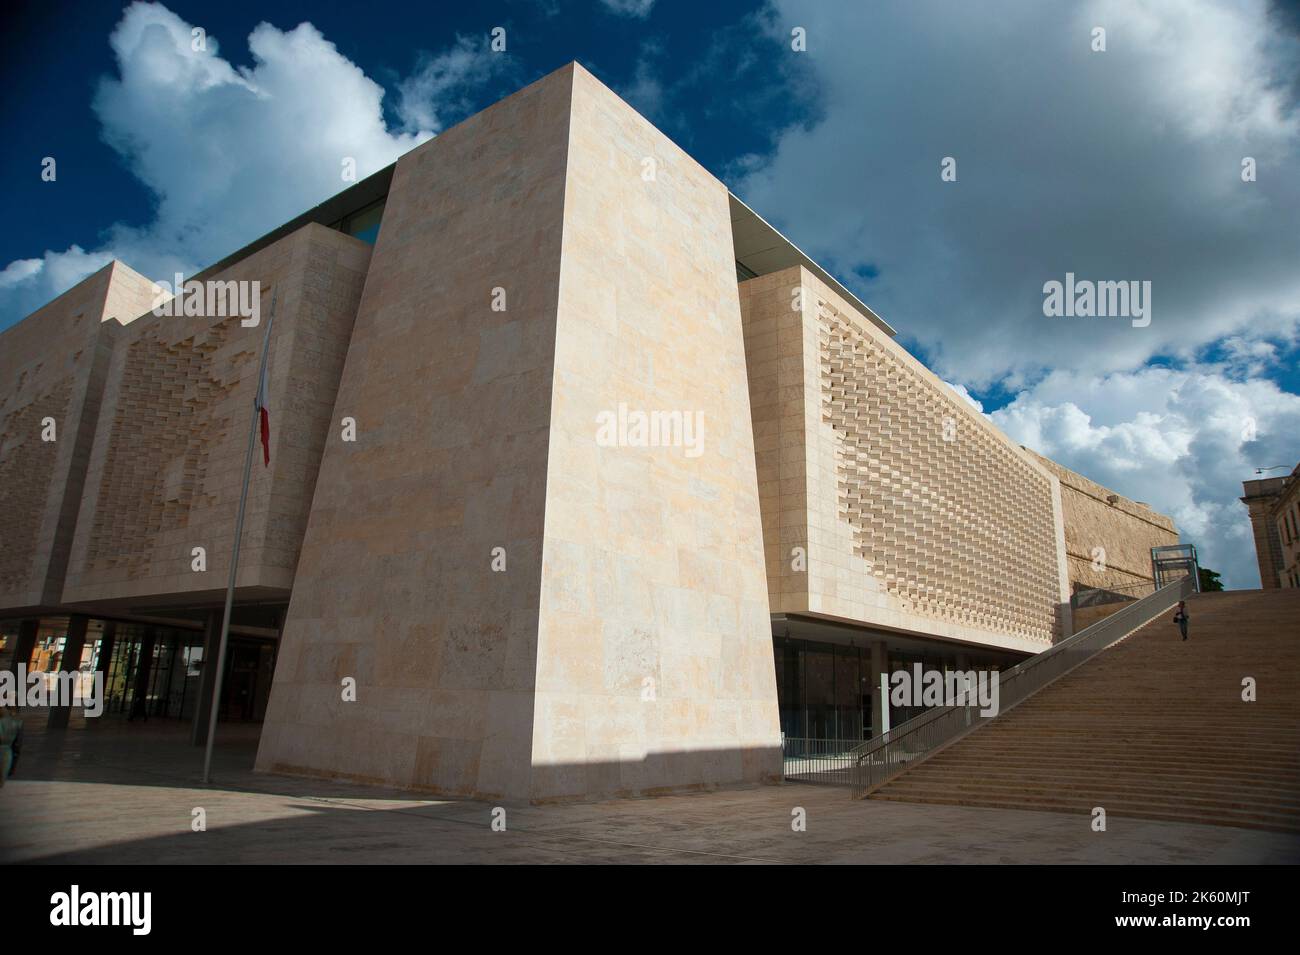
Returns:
(822, 690)
(826, 691)
(819, 693)
(364, 224)
(848, 694)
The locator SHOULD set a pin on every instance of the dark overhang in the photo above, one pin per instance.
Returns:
(760, 249)
(332, 211)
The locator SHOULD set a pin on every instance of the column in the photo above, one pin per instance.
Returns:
(26, 643)
(207, 678)
(879, 669)
(70, 663)
(104, 658)
(143, 669)
(104, 661)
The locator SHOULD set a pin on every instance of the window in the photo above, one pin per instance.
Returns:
(364, 223)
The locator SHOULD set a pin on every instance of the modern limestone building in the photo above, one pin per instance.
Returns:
(582, 477)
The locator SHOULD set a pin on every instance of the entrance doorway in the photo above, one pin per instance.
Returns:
(250, 666)
(173, 662)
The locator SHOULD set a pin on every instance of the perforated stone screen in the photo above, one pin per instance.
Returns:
(888, 501)
(947, 518)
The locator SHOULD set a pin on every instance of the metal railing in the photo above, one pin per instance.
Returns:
(819, 760)
(878, 760)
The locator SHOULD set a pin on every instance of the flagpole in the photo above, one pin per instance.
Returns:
(234, 556)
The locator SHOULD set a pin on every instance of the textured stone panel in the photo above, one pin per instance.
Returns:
(53, 364)
(908, 510)
(168, 454)
(935, 536)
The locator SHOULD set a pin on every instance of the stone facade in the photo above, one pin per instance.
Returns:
(452, 400)
(585, 469)
(625, 646)
(654, 658)
(54, 365)
(1261, 498)
(1285, 517)
(164, 473)
(1108, 538)
(886, 499)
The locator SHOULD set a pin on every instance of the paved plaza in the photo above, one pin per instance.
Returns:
(115, 792)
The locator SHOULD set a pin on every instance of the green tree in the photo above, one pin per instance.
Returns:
(1210, 582)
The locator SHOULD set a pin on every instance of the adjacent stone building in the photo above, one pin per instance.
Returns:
(1274, 508)
(583, 479)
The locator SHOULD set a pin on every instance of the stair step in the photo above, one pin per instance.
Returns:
(1098, 793)
(1152, 728)
(1251, 820)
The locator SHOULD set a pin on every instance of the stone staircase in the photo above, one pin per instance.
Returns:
(1151, 727)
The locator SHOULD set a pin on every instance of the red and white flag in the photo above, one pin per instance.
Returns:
(264, 418)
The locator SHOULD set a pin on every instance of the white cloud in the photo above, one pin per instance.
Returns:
(1123, 165)
(33, 282)
(232, 152)
(19, 270)
(442, 84)
(646, 91)
(1248, 357)
(1180, 440)
(965, 395)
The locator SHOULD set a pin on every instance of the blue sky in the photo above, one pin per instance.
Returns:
(1116, 165)
(51, 73)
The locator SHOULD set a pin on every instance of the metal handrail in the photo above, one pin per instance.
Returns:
(814, 760)
(878, 760)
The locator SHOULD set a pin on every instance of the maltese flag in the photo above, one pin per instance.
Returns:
(264, 418)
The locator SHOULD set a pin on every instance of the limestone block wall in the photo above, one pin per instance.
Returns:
(654, 657)
(1108, 543)
(129, 295)
(396, 587)
(165, 469)
(1286, 524)
(53, 364)
(529, 613)
(886, 499)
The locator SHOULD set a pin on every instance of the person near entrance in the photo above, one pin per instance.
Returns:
(11, 734)
(1181, 617)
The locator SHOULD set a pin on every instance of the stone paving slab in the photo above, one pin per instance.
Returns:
(124, 793)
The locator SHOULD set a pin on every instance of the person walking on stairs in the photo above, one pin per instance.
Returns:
(1181, 617)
